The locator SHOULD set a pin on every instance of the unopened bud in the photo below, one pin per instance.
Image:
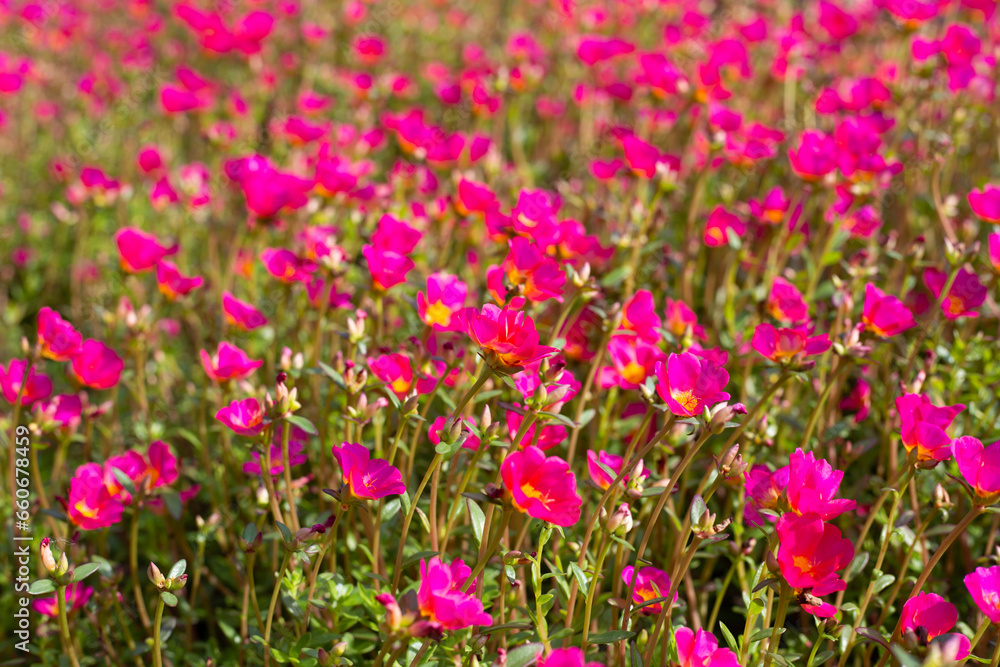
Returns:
(47, 559)
(620, 522)
(941, 498)
(410, 405)
(155, 575)
(63, 566)
(486, 419)
(176, 583)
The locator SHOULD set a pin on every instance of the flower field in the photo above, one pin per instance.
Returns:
(555, 333)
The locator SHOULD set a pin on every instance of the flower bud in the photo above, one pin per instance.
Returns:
(47, 559)
(63, 566)
(410, 405)
(486, 419)
(393, 614)
(620, 522)
(176, 583)
(155, 575)
(723, 414)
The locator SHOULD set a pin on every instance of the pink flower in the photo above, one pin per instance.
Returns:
(652, 583)
(96, 365)
(885, 315)
(38, 386)
(548, 435)
(441, 599)
(173, 283)
(65, 410)
(228, 363)
(980, 466)
(387, 268)
(764, 489)
(965, 294)
(721, 223)
(296, 456)
(367, 478)
(286, 266)
(814, 157)
(786, 304)
(241, 314)
(984, 587)
(994, 251)
(244, 417)
(810, 554)
(689, 384)
(59, 340)
(139, 251)
(76, 596)
(632, 361)
(543, 488)
(91, 505)
(541, 276)
(928, 617)
(812, 485)
(396, 371)
(986, 203)
(787, 345)
(507, 338)
(643, 158)
(701, 649)
(566, 657)
(678, 317)
(771, 210)
(445, 298)
(924, 426)
(639, 316)
(610, 461)
(434, 433)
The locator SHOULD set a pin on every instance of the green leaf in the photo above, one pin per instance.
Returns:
(478, 520)
(882, 582)
(822, 657)
(250, 532)
(581, 578)
(286, 534)
(337, 378)
(763, 634)
(525, 655)
(168, 598)
(124, 480)
(172, 501)
(610, 637)
(179, 568)
(586, 416)
(302, 423)
(84, 571)
(41, 587)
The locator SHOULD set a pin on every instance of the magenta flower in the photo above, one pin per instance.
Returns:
(689, 384)
(366, 478)
(548, 435)
(610, 461)
(38, 387)
(885, 315)
(787, 345)
(506, 338)
(772, 209)
(994, 251)
(786, 304)
(76, 596)
(651, 583)
(639, 316)
(441, 304)
(173, 283)
(228, 363)
(387, 268)
(632, 361)
(980, 466)
(540, 276)
(812, 485)
(57, 337)
(814, 157)
(296, 455)
(139, 251)
(244, 417)
(543, 488)
(764, 489)
(701, 649)
(91, 505)
(678, 318)
(96, 365)
(809, 555)
(927, 617)
(719, 226)
(286, 266)
(924, 424)
(65, 410)
(437, 426)
(441, 599)
(984, 587)
(240, 314)
(986, 203)
(566, 657)
(966, 293)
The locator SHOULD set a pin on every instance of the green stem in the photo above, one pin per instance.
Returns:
(157, 647)
(486, 554)
(274, 603)
(779, 622)
(975, 640)
(286, 432)
(592, 589)
(133, 557)
(67, 640)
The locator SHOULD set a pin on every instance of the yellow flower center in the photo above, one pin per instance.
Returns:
(634, 373)
(686, 399)
(438, 313)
